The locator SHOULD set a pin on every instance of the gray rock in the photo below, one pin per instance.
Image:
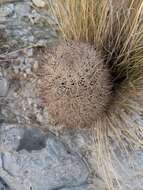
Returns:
(25, 24)
(3, 86)
(40, 162)
(132, 171)
(6, 10)
(10, 136)
(3, 185)
(22, 9)
(81, 187)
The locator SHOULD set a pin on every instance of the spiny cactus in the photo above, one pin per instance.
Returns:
(102, 45)
(75, 84)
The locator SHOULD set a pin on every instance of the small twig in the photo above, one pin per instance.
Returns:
(2, 56)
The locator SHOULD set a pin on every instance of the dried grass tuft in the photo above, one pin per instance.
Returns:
(117, 33)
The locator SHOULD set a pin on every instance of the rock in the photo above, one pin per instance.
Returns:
(39, 3)
(22, 9)
(4, 85)
(82, 187)
(33, 139)
(3, 185)
(40, 162)
(10, 136)
(6, 10)
(132, 171)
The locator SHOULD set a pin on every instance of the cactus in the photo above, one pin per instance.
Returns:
(94, 77)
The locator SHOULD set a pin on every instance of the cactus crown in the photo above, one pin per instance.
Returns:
(75, 84)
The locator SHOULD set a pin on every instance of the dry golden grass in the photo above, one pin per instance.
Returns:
(74, 22)
(117, 33)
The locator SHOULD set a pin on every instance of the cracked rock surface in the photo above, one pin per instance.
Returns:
(53, 166)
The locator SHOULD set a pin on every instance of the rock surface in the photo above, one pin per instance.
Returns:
(3, 86)
(3, 185)
(30, 158)
(46, 164)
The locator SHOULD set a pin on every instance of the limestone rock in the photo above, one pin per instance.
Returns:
(38, 161)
